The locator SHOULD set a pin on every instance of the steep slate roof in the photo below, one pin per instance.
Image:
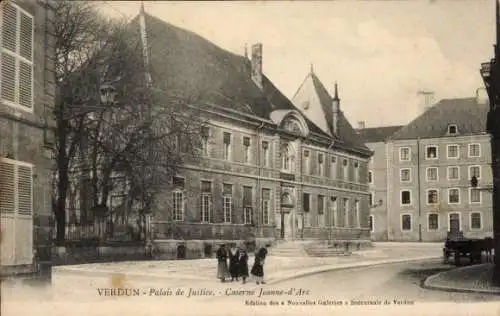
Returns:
(347, 133)
(378, 134)
(466, 113)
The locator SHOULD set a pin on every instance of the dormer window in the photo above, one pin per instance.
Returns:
(452, 129)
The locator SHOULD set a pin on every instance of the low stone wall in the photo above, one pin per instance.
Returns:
(81, 253)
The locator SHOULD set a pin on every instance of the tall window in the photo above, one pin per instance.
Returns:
(453, 173)
(206, 201)
(356, 171)
(432, 196)
(474, 196)
(371, 198)
(307, 162)
(370, 177)
(432, 174)
(321, 164)
(333, 167)
(178, 199)
(205, 136)
(356, 214)
(453, 196)
(371, 223)
(406, 222)
(247, 205)
(346, 212)
(345, 169)
(431, 152)
(287, 157)
(475, 171)
(405, 175)
(17, 57)
(474, 150)
(306, 207)
(333, 211)
(227, 203)
(404, 154)
(227, 146)
(321, 210)
(265, 153)
(266, 206)
(475, 220)
(405, 197)
(246, 150)
(433, 221)
(452, 151)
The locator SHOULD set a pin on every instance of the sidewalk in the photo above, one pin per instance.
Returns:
(277, 268)
(471, 279)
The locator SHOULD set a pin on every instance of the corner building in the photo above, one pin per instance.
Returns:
(270, 168)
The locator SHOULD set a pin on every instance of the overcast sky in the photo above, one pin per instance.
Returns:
(380, 52)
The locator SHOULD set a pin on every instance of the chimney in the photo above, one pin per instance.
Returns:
(361, 125)
(426, 99)
(257, 64)
(481, 96)
(335, 111)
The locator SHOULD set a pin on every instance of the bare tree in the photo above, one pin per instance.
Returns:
(143, 135)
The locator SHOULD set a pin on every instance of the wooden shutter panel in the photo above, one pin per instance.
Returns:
(25, 84)
(7, 189)
(26, 37)
(9, 25)
(24, 190)
(8, 77)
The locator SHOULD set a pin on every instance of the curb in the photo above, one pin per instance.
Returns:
(319, 270)
(427, 285)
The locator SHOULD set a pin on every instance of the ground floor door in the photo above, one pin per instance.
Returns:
(288, 227)
(454, 222)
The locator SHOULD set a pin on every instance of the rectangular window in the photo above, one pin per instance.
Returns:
(405, 197)
(266, 206)
(16, 209)
(265, 153)
(205, 137)
(227, 203)
(321, 165)
(406, 222)
(432, 196)
(206, 201)
(246, 150)
(454, 222)
(452, 152)
(356, 171)
(333, 211)
(305, 202)
(346, 212)
(17, 57)
(333, 167)
(474, 196)
(453, 196)
(404, 154)
(475, 171)
(453, 173)
(433, 222)
(178, 199)
(474, 150)
(452, 129)
(371, 199)
(321, 210)
(431, 152)
(371, 223)
(475, 220)
(307, 163)
(405, 175)
(432, 174)
(248, 204)
(345, 169)
(356, 214)
(370, 177)
(227, 145)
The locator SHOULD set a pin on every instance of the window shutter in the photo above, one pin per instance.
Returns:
(25, 86)
(321, 204)
(7, 191)
(24, 189)
(247, 196)
(26, 37)
(9, 27)
(305, 202)
(228, 189)
(8, 77)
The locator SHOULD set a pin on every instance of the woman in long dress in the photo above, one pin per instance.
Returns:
(234, 253)
(258, 265)
(243, 265)
(222, 270)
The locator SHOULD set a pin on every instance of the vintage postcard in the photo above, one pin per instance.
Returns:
(250, 157)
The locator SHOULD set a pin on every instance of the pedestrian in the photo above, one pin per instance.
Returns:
(234, 254)
(243, 265)
(258, 265)
(222, 270)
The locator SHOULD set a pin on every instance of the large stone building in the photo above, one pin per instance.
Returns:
(270, 169)
(429, 166)
(27, 97)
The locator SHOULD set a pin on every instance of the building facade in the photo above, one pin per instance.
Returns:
(27, 87)
(268, 170)
(430, 163)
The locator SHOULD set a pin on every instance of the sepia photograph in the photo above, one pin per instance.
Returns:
(250, 157)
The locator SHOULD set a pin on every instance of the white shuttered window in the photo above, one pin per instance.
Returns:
(16, 208)
(16, 70)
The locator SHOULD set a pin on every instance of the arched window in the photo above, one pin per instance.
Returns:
(292, 126)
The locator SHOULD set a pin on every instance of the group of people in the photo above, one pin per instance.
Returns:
(238, 264)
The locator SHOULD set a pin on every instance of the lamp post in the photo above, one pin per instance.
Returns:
(490, 72)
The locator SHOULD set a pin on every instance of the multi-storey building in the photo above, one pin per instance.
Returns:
(430, 163)
(268, 169)
(375, 139)
(27, 97)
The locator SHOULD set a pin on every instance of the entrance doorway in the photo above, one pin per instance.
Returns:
(287, 230)
(454, 219)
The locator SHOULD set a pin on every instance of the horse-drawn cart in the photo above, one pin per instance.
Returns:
(458, 246)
